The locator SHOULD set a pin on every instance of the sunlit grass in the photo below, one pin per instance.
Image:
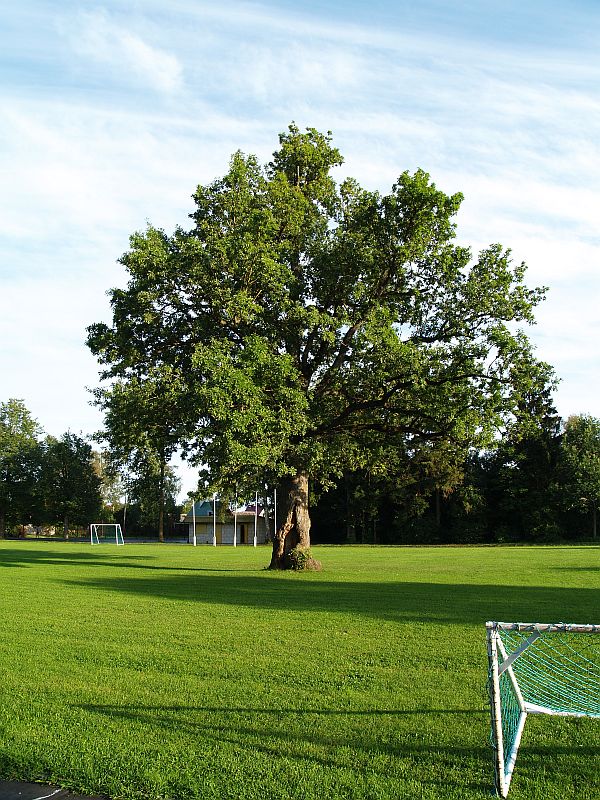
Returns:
(180, 672)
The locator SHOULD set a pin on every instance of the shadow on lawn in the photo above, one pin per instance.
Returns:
(577, 569)
(276, 733)
(152, 713)
(400, 601)
(29, 556)
(122, 560)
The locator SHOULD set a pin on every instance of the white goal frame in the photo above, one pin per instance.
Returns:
(561, 700)
(94, 539)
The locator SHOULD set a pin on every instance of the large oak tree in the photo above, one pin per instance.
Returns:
(312, 328)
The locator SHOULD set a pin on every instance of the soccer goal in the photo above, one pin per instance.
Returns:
(536, 668)
(106, 532)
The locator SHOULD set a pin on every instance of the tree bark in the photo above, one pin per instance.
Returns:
(294, 531)
(66, 527)
(267, 517)
(2, 524)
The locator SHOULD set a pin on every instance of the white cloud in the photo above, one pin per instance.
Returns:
(126, 54)
(281, 72)
(44, 361)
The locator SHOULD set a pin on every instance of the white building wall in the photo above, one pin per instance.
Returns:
(225, 532)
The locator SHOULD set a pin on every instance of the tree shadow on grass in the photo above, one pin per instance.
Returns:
(577, 569)
(152, 713)
(25, 557)
(29, 556)
(276, 734)
(400, 601)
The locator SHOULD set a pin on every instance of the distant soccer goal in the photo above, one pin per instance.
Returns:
(537, 668)
(106, 532)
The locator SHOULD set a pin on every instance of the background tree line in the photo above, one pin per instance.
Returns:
(541, 483)
(65, 484)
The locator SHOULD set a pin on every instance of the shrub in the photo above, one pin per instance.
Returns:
(301, 559)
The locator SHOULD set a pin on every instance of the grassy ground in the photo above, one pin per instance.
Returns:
(180, 672)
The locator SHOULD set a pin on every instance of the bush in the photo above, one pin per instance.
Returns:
(301, 559)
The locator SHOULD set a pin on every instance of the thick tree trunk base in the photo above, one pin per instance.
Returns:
(291, 543)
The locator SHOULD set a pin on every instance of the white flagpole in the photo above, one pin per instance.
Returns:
(215, 519)
(194, 519)
(255, 516)
(235, 522)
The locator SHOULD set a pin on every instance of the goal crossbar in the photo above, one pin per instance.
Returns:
(537, 668)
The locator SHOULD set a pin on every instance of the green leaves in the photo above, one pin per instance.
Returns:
(19, 462)
(70, 482)
(581, 463)
(305, 326)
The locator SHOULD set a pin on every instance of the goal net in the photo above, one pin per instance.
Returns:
(106, 532)
(536, 668)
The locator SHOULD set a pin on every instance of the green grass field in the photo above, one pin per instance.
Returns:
(178, 672)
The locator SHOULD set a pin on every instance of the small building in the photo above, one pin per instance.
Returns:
(229, 525)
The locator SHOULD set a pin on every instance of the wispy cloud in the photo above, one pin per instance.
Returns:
(95, 36)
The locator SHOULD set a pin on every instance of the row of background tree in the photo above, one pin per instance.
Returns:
(64, 484)
(541, 483)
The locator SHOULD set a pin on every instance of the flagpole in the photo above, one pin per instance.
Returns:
(214, 519)
(194, 519)
(235, 522)
(255, 516)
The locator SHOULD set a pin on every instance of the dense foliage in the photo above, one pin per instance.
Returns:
(62, 484)
(19, 462)
(539, 484)
(44, 481)
(303, 329)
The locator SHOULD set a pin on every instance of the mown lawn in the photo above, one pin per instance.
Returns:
(178, 672)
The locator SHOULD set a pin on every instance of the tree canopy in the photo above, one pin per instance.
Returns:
(19, 461)
(70, 482)
(305, 327)
(581, 464)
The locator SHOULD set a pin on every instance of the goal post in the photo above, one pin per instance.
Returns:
(107, 532)
(538, 668)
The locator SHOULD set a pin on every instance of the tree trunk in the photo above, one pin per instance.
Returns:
(594, 522)
(294, 531)
(2, 524)
(267, 517)
(66, 527)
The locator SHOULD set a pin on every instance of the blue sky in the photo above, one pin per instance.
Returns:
(112, 113)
